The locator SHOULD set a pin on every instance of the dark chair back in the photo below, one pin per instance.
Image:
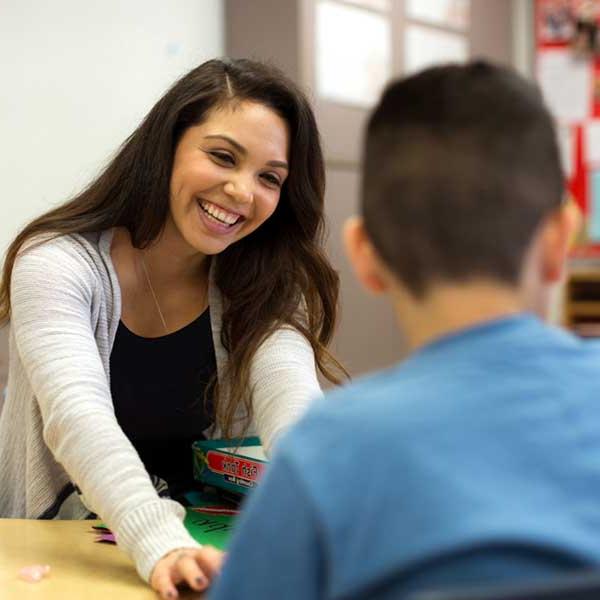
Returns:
(583, 586)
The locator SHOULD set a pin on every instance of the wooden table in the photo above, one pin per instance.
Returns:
(80, 568)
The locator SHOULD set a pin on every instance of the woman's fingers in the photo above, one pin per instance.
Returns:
(210, 560)
(161, 581)
(194, 566)
(187, 569)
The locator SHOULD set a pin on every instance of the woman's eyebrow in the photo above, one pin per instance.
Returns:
(235, 144)
(278, 163)
(272, 163)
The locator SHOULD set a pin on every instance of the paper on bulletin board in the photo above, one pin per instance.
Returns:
(594, 209)
(566, 145)
(592, 143)
(566, 84)
(555, 21)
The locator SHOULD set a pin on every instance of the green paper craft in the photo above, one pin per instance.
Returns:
(210, 529)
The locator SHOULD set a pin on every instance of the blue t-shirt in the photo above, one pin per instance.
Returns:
(476, 460)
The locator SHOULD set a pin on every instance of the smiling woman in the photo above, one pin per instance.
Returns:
(184, 294)
(228, 170)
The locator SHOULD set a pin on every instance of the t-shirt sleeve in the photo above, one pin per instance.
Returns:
(276, 551)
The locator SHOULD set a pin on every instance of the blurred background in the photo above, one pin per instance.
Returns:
(78, 77)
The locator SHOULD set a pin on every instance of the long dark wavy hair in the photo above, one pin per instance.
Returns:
(276, 276)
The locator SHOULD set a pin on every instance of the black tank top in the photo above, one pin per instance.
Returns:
(158, 388)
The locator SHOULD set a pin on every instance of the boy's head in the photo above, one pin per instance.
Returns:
(461, 169)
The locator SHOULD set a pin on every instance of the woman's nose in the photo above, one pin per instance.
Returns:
(239, 191)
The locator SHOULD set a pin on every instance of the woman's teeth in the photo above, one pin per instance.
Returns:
(219, 215)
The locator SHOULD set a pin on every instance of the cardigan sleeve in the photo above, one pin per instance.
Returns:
(284, 383)
(52, 291)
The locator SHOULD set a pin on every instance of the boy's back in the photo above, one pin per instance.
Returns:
(476, 460)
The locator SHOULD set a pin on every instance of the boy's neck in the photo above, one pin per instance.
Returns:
(447, 309)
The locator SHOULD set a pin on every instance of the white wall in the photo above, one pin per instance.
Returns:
(76, 78)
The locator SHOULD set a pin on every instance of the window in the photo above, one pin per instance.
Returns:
(448, 13)
(353, 51)
(436, 32)
(424, 47)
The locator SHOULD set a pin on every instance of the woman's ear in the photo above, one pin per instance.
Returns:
(363, 257)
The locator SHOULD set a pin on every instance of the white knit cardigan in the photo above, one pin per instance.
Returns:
(58, 427)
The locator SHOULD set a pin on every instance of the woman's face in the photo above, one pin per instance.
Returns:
(227, 176)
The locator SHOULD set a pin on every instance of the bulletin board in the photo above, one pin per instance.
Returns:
(567, 63)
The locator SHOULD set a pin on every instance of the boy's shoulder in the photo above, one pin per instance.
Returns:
(364, 413)
(427, 394)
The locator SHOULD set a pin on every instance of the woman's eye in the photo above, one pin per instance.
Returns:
(272, 180)
(223, 157)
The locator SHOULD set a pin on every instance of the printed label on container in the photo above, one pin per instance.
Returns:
(234, 467)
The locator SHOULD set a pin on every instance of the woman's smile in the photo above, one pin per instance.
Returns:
(217, 219)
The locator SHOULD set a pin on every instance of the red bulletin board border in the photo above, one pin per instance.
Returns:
(578, 184)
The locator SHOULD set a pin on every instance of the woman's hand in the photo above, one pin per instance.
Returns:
(195, 566)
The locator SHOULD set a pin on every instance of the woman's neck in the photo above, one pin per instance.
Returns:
(172, 261)
(163, 287)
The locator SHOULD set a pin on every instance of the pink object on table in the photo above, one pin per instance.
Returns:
(34, 573)
(107, 537)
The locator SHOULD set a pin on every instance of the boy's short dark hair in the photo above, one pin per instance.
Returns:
(461, 164)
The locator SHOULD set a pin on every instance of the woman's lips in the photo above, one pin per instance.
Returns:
(214, 225)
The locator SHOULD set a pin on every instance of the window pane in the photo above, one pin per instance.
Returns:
(353, 53)
(380, 5)
(453, 13)
(424, 47)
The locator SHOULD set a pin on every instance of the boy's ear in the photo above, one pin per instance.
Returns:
(363, 257)
(558, 233)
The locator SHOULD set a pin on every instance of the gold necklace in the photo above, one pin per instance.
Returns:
(160, 313)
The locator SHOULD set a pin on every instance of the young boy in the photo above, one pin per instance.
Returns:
(477, 459)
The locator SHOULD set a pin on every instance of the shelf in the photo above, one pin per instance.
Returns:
(585, 275)
(581, 304)
(589, 308)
